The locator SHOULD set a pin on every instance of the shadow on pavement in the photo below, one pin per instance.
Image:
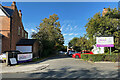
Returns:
(82, 73)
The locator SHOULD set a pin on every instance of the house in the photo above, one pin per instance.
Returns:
(11, 27)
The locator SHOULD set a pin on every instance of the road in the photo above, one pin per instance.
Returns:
(61, 66)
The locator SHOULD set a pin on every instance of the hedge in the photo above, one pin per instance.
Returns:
(100, 57)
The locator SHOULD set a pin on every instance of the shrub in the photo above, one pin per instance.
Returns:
(100, 57)
(84, 57)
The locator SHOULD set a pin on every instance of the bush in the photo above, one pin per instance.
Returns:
(100, 57)
(84, 57)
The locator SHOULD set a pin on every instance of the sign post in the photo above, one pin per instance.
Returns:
(105, 42)
(6, 58)
(110, 50)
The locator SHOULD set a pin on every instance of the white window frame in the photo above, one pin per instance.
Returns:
(26, 36)
(19, 30)
(22, 33)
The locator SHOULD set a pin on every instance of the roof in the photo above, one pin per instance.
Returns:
(1, 35)
(6, 10)
(9, 11)
(26, 42)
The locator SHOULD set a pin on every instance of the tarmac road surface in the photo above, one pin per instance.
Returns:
(61, 66)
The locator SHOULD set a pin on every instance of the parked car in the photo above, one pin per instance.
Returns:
(70, 53)
(60, 52)
(78, 55)
(3, 55)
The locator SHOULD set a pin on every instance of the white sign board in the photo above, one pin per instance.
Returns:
(24, 48)
(24, 57)
(13, 61)
(105, 41)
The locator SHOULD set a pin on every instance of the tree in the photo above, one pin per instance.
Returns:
(73, 41)
(104, 26)
(49, 34)
(81, 43)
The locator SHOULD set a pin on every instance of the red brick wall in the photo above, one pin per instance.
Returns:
(36, 49)
(15, 23)
(5, 30)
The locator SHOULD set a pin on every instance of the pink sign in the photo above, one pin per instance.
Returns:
(105, 41)
(107, 45)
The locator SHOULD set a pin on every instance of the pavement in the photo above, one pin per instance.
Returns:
(23, 68)
(61, 66)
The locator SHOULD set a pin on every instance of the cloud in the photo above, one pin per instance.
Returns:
(68, 24)
(70, 39)
(75, 26)
(71, 34)
(71, 28)
(33, 30)
(67, 28)
(64, 34)
(76, 34)
(62, 28)
(30, 31)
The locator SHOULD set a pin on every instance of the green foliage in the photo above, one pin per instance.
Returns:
(81, 43)
(64, 48)
(49, 35)
(84, 43)
(100, 57)
(73, 41)
(105, 26)
(85, 57)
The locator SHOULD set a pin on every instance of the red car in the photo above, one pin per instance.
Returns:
(78, 55)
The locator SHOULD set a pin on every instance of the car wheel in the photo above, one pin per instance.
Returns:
(76, 56)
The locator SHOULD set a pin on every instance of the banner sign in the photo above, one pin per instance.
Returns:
(24, 57)
(13, 61)
(105, 41)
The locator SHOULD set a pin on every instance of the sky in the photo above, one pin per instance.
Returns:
(73, 16)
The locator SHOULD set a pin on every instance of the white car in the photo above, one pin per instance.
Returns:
(60, 52)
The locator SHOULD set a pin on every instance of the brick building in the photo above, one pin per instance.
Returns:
(11, 27)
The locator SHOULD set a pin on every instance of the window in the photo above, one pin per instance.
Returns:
(22, 33)
(18, 30)
(26, 36)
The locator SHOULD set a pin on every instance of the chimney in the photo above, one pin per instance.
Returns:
(20, 14)
(13, 5)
